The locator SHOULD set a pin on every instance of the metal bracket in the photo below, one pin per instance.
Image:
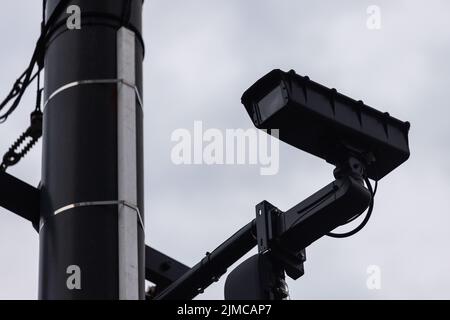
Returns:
(19, 198)
(266, 222)
(264, 225)
(161, 269)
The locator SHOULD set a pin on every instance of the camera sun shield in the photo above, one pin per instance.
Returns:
(321, 121)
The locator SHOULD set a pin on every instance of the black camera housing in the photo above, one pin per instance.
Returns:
(327, 124)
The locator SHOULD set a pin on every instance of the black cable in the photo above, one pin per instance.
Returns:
(22, 82)
(34, 131)
(44, 7)
(16, 89)
(358, 215)
(366, 218)
(38, 92)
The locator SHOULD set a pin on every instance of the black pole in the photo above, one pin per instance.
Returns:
(91, 228)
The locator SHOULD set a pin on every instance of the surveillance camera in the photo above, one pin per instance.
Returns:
(323, 122)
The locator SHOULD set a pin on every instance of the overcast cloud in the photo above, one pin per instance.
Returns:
(201, 56)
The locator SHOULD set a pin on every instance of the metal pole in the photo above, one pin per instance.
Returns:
(92, 218)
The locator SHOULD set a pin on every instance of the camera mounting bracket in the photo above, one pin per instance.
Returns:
(280, 234)
(291, 262)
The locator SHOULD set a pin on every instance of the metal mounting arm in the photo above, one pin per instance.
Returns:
(319, 214)
(293, 231)
(212, 266)
(19, 198)
(161, 269)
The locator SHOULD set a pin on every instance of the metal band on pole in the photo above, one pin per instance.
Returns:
(94, 81)
(97, 203)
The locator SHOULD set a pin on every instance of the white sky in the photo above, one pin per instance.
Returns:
(201, 56)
